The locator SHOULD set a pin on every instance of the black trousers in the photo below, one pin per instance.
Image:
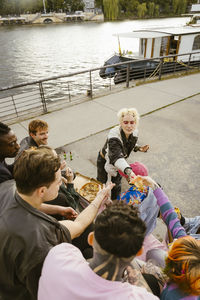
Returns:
(153, 284)
(102, 176)
(81, 242)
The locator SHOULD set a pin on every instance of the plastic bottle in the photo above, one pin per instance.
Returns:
(70, 156)
(65, 155)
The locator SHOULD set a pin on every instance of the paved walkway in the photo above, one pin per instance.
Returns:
(82, 120)
(170, 124)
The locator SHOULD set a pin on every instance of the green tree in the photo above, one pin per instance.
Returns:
(128, 6)
(77, 5)
(53, 5)
(99, 3)
(30, 6)
(111, 9)
(175, 4)
(10, 7)
(166, 7)
(157, 10)
(182, 7)
(142, 10)
(73, 5)
(151, 8)
(2, 7)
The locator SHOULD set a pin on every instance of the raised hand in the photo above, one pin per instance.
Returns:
(69, 176)
(144, 148)
(148, 181)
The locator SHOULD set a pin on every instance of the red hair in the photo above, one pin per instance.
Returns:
(183, 265)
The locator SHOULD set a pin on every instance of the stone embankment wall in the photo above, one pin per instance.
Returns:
(51, 18)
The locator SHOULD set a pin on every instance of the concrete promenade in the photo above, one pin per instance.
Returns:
(82, 120)
(170, 124)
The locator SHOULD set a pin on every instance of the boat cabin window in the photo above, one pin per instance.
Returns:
(173, 43)
(196, 44)
(164, 45)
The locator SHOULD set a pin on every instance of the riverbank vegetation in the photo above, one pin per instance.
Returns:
(17, 7)
(120, 9)
(113, 9)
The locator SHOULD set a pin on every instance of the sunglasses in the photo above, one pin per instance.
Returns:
(127, 122)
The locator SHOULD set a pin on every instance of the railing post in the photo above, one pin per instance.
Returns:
(14, 106)
(42, 97)
(175, 66)
(145, 73)
(91, 85)
(188, 63)
(110, 82)
(160, 71)
(69, 93)
(198, 64)
(127, 75)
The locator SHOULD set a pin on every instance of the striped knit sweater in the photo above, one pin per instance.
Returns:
(171, 290)
(169, 215)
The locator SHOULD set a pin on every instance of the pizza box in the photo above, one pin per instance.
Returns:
(81, 180)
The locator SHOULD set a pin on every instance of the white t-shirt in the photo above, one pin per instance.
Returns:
(66, 275)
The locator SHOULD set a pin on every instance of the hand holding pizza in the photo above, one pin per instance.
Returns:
(148, 181)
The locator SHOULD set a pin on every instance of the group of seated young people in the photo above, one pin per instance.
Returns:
(107, 251)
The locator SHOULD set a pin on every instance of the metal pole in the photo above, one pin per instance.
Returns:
(175, 66)
(42, 98)
(44, 7)
(69, 93)
(127, 75)
(14, 106)
(160, 71)
(145, 73)
(188, 66)
(90, 84)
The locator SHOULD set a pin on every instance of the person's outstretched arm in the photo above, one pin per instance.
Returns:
(167, 210)
(50, 209)
(87, 216)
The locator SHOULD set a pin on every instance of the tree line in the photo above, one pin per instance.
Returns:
(113, 9)
(117, 9)
(17, 7)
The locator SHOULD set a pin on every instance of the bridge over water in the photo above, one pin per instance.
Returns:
(50, 18)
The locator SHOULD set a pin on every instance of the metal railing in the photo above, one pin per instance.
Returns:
(31, 99)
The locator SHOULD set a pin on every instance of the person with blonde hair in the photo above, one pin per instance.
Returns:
(121, 140)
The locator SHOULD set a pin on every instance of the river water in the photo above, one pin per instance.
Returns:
(33, 52)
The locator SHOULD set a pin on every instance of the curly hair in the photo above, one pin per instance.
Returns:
(36, 125)
(129, 111)
(35, 168)
(4, 129)
(119, 230)
(183, 265)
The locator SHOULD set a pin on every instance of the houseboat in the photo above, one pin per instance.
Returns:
(154, 44)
